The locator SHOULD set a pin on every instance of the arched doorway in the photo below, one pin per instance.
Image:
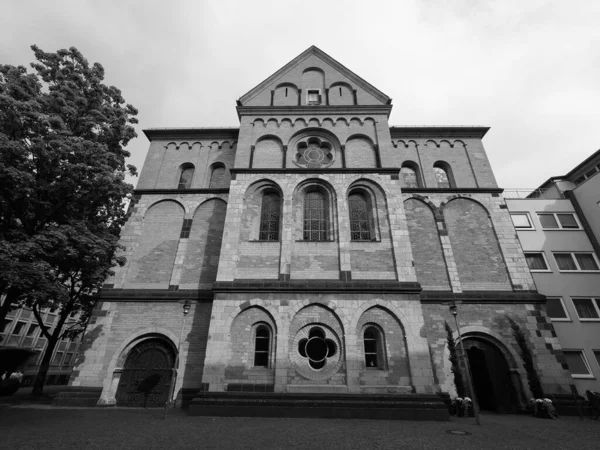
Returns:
(492, 378)
(146, 375)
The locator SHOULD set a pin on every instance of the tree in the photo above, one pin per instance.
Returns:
(62, 188)
(533, 378)
(458, 380)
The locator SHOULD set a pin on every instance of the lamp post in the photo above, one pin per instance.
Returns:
(186, 309)
(465, 360)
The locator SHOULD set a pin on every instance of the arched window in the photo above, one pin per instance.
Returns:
(374, 357)
(409, 176)
(269, 217)
(218, 178)
(185, 179)
(443, 175)
(262, 346)
(316, 217)
(360, 221)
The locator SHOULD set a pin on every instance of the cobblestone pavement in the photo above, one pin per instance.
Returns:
(27, 427)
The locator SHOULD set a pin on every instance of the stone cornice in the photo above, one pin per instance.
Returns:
(318, 111)
(427, 131)
(381, 170)
(154, 134)
(153, 295)
(452, 191)
(317, 286)
(475, 297)
(180, 191)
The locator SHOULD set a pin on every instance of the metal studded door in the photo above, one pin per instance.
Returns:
(146, 377)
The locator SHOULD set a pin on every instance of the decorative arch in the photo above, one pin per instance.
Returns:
(219, 176)
(411, 174)
(440, 168)
(158, 202)
(375, 199)
(258, 218)
(185, 175)
(341, 120)
(357, 120)
(267, 152)
(300, 122)
(330, 305)
(271, 310)
(313, 228)
(433, 142)
(258, 122)
(361, 152)
(314, 147)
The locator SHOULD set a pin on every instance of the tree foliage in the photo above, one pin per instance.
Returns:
(458, 379)
(533, 378)
(62, 186)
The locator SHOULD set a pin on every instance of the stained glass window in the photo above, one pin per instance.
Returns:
(315, 217)
(442, 178)
(269, 217)
(185, 180)
(372, 348)
(360, 229)
(409, 175)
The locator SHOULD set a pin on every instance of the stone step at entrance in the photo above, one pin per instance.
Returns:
(331, 406)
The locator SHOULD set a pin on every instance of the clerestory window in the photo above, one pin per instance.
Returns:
(262, 346)
(360, 223)
(316, 217)
(270, 215)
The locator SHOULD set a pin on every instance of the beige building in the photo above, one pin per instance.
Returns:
(320, 247)
(558, 226)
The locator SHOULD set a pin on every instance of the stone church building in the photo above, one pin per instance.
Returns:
(319, 247)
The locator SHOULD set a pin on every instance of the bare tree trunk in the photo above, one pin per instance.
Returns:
(40, 378)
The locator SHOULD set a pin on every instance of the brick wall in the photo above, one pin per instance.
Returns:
(360, 153)
(152, 263)
(427, 249)
(479, 260)
(203, 246)
(267, 153)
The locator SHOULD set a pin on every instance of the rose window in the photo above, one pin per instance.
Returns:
(314, 153)
(317, 348)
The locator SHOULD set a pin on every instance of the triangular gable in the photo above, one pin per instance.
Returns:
(340, 71)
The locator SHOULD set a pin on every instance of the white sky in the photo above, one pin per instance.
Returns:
(529, 69)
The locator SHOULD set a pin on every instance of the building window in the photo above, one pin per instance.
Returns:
(57, 357)
(269, 217)
(556, 309)
(443, 175)
(360, 223)
(218, 177)
(185, 179)
(19, 328)
(536, 262)
(5, 326)
(262, 346)
(313, 97)
(559, 221)
(521, 221)
(587, 308)
(578, 365)
(373, 348)
(68, 359)
(316, 217)
(410, 176)
(32, 330)
(576, 262)
(597, 355)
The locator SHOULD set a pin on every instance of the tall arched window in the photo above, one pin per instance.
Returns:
(218, 178)
(315, 226)
(360, 221)
(269, 217)
(262, 346)
(409, 176)
(374, 357)
(443, 175)
(185, 179)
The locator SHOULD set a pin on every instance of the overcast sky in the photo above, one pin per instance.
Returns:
(529, 69)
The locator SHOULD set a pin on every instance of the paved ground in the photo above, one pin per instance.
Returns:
(29, 426)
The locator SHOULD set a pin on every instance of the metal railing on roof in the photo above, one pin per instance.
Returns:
(550, 193)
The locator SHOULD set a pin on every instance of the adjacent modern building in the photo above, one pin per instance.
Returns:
(319, 247)
(558, 225)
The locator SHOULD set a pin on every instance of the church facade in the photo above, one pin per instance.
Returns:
(319, 248)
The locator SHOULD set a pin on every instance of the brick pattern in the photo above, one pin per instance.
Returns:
(360, 153)
(475, 247)
(427, 248)
(267, 153)
(157, 246)
(240, 368)
(488, 322)
(395, 370)
(204, 245)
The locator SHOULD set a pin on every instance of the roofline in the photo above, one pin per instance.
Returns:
(191, 132)
(572, 171)
(314, 110)
(475, 131)
(320, 53)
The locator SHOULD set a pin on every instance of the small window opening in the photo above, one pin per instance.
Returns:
(185, 179)
(262, 347)
(373, 354)
(313, 97)
(340, 91)
(286, 91)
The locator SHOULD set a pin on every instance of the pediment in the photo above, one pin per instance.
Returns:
(313, 77)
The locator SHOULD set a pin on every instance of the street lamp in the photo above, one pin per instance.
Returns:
(186, 309)
(465, 361)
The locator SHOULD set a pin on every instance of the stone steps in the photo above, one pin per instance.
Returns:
(338, 406)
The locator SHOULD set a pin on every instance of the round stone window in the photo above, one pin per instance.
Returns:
(316, 352)
(314, 152)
